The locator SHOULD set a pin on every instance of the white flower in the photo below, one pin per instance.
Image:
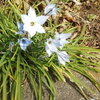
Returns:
(32, 24)
(24, 42)
(51, 46)
(61, 38)
(20, 27)
(62, 57)
(50, 9)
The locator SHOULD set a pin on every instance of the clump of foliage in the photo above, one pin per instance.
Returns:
(92, 17)
(21, 59)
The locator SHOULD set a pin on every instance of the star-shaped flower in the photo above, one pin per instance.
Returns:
(24, 42)
(32, 24)
(50, 9)
(61, 38)
(62, 57)
(20, 27)
(51, 46)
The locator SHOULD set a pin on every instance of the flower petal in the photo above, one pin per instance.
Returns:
(57, 43)
(52, 47)
(48, 51)
(20, 27)
(24, 18)
(11, 44)
(27, 27)
(53, 11)
(65, 36)
(62, 57)
(32, 14)
(24, 42)
(48, 8)
(39, 28)
(61, 61)
(57, 35)
(32, 32)
(20, 32)
(41, 19)
(23, 47)
(62, 42)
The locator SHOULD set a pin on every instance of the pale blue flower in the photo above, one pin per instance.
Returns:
(51, 46)
(32, 24)
(24, 42)
(61, 38)
(62, 57)
(50, 9)
(20, 28)
(11, 44)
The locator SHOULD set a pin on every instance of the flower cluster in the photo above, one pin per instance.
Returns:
(32, 24)
(52, 45)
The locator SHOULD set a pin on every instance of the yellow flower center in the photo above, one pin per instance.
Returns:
(50, 42)
(32, 23)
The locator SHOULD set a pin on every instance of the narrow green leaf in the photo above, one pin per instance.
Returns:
(19, 79)
(33, 83)
(40, 85)
(2, 63)
(4, 88)
(81, 35)
(2, 60)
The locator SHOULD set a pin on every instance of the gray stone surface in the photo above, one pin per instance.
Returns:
(65, 90)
